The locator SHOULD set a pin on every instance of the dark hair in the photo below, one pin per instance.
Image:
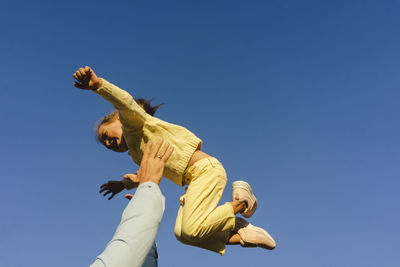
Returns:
(144, 103)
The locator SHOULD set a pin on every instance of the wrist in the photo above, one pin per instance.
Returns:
(149, 184)
(97, 84)
(128, 183)
(151, 180)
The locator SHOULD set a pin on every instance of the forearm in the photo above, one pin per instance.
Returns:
(137, 231)
(132, 114)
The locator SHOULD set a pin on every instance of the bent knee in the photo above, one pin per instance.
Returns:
(183, 238)
(190, 235)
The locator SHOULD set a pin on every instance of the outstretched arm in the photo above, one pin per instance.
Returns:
(131, 114)
(141, 218)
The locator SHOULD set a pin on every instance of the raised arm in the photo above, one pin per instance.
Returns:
(141, 218)
(131, 114)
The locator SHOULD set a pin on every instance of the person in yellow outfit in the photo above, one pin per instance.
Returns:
(200, 222)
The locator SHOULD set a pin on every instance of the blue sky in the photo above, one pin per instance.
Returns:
(299, 98)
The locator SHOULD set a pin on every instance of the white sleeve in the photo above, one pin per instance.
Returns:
(137, 231)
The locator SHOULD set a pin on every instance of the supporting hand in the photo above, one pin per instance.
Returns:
(134, 179)
(87, 79)
(151, 169)
(153, 162)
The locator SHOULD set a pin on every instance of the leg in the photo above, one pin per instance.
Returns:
(200, 222)
(238, 206)
(200, 216)
(213, 243)
(151, 258)
(234, 239)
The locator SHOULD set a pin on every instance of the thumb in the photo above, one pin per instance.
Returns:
(129, 196)
(129, 176)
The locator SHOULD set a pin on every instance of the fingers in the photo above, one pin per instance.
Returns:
(89, 72)
(129, 176)
(161, 153)
(82, 73)
(108, 192)
(156, 148)
(77, 75)
(128, 196)
(111, 187)
(147, 151)
(164, 153)
(103, 189)
(167, 154)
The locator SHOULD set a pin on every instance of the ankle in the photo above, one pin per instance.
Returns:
(234, 239)
(238, 206)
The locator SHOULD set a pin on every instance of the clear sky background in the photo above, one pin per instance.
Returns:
(299, 98)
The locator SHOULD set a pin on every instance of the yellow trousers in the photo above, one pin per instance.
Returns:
(200, 222)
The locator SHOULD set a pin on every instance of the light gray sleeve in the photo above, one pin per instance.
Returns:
(137, 231)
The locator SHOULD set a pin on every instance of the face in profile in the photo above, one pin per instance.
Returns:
(111, 136)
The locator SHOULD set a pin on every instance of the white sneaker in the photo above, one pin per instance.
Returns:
(252, 236)
(242, 192)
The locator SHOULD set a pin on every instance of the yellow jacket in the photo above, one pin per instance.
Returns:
(140, 127)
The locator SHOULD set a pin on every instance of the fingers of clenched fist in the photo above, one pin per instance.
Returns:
(86, 79)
